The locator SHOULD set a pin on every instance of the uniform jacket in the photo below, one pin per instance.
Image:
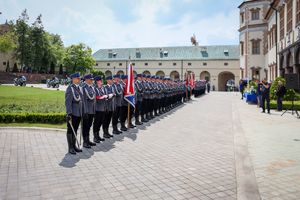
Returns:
(73, 101)
(89, 99)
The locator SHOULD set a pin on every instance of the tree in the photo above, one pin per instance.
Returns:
(79, 58)
(22, 31)
(7, 42)
(39, 46)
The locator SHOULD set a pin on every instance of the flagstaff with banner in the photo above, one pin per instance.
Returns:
(129, 95)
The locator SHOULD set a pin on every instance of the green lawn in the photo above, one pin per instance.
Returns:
(30, 100)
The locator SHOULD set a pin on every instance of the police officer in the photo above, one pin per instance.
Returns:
(146, 94)
(100, 108)
(118, 89)
(111, 106)
(73, 103)
(139, 99)
(89, 99)
(124, 108)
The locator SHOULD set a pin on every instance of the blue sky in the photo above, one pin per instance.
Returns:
(132, 23)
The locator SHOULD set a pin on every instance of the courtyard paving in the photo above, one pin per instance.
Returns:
(213, 147)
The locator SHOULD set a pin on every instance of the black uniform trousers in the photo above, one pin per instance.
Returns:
(98, 121)
(138, 109)
(87, 123)
(75, 124)
(123, 114)
(266, 98)
(116, 115)
(107, 119)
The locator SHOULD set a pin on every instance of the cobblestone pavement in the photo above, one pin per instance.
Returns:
(188, 153)
(274, 147)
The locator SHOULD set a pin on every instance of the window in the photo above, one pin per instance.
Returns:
(225, 64)
(146, 64)
(159, 64)
(108, 64)
(133, 64)
(96, 64)
(281, 23)
(138, 54)
(242, 48)
(256, 47)
(255, 14)
(289, 16)
(4, 63)
(189, 64)
(110, 54)
(114, 55)
(120, 64)
(298, 12)
(204, 64)
(174, 64)
(242, 18)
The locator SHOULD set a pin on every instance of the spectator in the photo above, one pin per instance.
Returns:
(208, 87)
(258, 91)
(265, 96)
(280, 92)
(242, 87)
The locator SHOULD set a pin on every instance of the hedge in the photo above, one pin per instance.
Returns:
(286, 104)
(46, 118)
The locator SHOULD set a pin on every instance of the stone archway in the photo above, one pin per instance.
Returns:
(108, 73)
(205, 75)
(120, 72)
(174, 75)
(223, 77)
(160, 73)
(134, 73)
(146, 72)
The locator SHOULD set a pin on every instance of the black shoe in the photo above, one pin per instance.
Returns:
(106, 135)
(116, 132)
(137, 123)
(86, 145)
(123, 127)
(263, 111)
(131, 125)
(96, 140)
(269, 112)
(77, 149)
(144, 120)
(92, 143)
(102, 139)
(72, 151)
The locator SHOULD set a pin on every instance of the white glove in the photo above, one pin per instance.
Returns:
(110, 96)
(104, 97)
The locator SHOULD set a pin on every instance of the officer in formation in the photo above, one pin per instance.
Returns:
(94, 105)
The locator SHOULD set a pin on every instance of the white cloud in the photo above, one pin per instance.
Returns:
(104, 30)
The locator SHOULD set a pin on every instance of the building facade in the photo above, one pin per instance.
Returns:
(253, 30)
(8, 60)
(279, 34)
(217, 64)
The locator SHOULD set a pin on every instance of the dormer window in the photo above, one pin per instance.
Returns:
(166, 53)
(138, 53)
(226, 52)
(114, 55)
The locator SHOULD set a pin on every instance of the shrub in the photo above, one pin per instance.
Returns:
(47, 118)
(290, 93)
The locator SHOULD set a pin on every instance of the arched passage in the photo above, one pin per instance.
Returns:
(160, 73)
(120, 72)
(146, 72)
(205, 75)
(134, 73)
(223, 78)
(174, 75)
(107, 73)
